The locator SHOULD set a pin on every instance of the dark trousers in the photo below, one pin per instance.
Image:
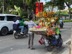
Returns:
(61, 25)
(31, 40)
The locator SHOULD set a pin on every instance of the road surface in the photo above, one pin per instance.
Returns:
(10, 45)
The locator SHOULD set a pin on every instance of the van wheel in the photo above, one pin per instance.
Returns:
(4, 31)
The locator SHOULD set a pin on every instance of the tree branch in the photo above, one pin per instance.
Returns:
(68, 5)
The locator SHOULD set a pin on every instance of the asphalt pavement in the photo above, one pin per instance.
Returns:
(10, 45)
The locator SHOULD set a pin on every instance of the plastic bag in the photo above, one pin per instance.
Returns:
(57, 36)
(41, 41)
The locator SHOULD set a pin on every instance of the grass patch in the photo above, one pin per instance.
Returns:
(67, 20)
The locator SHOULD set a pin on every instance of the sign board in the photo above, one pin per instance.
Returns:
(38, 7)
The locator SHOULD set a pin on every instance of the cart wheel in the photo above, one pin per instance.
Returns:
(61, 43)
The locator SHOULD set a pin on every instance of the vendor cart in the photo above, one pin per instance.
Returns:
(45, 39)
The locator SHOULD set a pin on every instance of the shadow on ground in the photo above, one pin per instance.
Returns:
(59, 51)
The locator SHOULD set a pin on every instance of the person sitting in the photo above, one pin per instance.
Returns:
(21, 25)
(15, 24)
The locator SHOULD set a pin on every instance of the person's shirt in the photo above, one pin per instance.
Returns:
(60, 21)
(16, 22)
(21, 23)
(30, 23)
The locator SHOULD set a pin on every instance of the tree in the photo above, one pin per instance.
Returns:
(59, 3)
(1, 6)
(9, 4)
(50, 4)
(25, 5)
(69, 3)
(30, 6)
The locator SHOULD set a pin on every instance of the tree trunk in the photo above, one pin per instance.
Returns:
(24, 5)
(3, 7)
(28, 11)
(68, 5)
(70, 14)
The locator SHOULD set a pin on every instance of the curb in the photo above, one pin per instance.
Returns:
(67, 42)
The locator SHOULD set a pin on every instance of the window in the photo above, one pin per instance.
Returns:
(10, 18)
(1, 17)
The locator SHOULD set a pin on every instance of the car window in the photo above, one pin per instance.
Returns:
(1, 17)
(10, 18)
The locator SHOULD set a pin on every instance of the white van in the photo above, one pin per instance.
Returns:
(6, 23)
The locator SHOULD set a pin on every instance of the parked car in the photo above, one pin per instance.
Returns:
(6, 23)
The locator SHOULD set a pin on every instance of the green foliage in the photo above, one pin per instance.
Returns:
(31, 3)
(18, 7)
(24, 14)
(50, 3)
(62, 12)
(59, 3)
(69, 2)
(54, 3)
(17, 10)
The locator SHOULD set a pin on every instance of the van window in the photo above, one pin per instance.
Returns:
(1, 17)
(10, 18)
